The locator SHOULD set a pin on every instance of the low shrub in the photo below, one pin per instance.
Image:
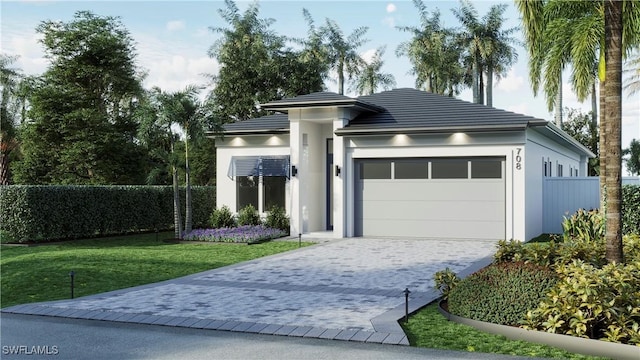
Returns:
(586, 225)
(222, 218)
(277, 218)
(592, 303)
(445, 280)
(501, 293)
(249, 216)
(240, 234)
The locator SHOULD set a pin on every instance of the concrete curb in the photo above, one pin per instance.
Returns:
(570, 343)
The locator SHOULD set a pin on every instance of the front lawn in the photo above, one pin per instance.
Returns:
(429, 329)
(41, 273)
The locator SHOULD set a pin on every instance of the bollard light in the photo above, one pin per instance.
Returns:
(72, 274)
(299, 240)
(406, 304)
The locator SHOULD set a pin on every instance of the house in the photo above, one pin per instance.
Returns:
(401, 163)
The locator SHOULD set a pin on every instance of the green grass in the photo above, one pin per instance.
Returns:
(41, 273)
(429, 329)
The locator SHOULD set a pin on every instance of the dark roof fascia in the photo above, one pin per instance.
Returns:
(355, 103)
(249, 132)
(429, 130)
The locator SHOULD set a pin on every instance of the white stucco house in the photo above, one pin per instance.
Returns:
(401, 163)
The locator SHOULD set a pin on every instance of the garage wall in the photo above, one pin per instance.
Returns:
(539, 149)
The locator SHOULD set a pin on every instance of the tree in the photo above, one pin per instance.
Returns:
(612, 148)
(82, 129)
(258, 67)
(434, 53)
(488, 47)
(581, 128)
(9, 114)
(343, 51)
(370, 77)
(632, 157)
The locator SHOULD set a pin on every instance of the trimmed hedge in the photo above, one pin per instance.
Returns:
(44, 213)
(631, 209)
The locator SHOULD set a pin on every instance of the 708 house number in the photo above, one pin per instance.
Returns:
(518, 159)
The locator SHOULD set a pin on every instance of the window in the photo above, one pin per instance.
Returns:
(486, 169)
(273, 191)
(449, 169)
(246, 191)
(411, 169)
(560, 170)
(375, 170)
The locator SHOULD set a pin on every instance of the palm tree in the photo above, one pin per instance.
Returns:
(473, 41)
(434, 54)
(370, 77)
(613, 108)
(342, 51)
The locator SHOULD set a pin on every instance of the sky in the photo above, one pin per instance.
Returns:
(172, 39)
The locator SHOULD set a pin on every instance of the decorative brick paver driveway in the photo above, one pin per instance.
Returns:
(348, 289)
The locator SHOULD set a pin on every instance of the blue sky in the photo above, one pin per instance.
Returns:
(172, 39)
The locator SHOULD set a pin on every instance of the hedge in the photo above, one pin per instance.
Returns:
(44, 213)
(631, 209)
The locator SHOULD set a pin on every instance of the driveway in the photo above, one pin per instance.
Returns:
(349, 289)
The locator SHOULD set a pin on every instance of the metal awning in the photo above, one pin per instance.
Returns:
(274, 165)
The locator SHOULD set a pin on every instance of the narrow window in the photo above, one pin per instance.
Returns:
(274, 191)
(449, 169)
(246, 191)
(486, 169)
(375, 170)
(413, 169)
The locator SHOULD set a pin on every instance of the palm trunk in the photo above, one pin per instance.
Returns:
(341, 78)
(480, 85)
(474, 86)
(558, 115)
(188, 209)
(4, 166)
(177, 214)
(489, 87)
(613, 88)
(601, 151)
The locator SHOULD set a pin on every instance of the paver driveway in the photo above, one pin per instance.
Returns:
(349, 289)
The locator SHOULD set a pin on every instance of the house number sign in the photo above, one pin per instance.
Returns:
(518, 159)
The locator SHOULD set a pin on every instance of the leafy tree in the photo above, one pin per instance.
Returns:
(370, 77)
(632, 157)
(434, 53)
(10, 79)
(82, 129)
(343, 50)
(581, 128)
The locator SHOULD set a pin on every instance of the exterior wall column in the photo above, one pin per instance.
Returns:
(295, 143)
(340, 192)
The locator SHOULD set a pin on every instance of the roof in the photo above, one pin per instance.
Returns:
(270, 124)
(318, 99)
(402, 110)
(420, 111)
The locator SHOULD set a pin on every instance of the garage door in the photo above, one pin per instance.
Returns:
(435, 197)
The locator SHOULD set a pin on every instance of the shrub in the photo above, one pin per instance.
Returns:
(277, 218)
(509, 251)
(501, 293)
(43, 213)
(240, 234)
(631, 209)
(590, 302)
(445, 281)
(222, 218)
(249, 216)
(586, 225)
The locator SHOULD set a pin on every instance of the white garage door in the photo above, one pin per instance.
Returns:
(460, 198)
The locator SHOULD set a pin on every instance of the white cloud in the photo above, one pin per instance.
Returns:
(511, 82)
(391, 7)
(175, 25)
(368, 55)
(176, 72)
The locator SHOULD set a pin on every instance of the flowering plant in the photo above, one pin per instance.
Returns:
(240, 234)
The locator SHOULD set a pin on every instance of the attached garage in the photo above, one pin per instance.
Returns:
(457, 198)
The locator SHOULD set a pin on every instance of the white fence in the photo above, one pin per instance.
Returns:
(562, 196)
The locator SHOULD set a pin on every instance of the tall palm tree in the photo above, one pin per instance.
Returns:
(434, 53)
(343, 51)
(473, 41)
(613, 108)
(370, 77)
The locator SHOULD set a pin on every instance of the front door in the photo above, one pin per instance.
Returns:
(329, 181)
